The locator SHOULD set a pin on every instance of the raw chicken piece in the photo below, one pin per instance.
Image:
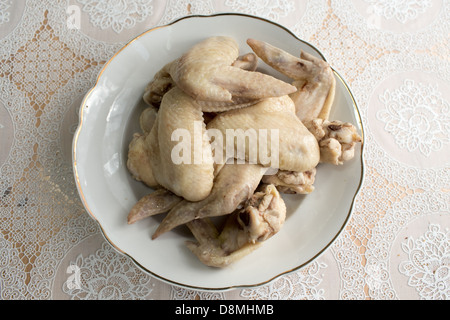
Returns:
(206, 73)
(337, 140)
(159, 201)
(312, 76)
(192, 177)
(296, 148)
(244, 231)
(234, 184)
(138, 162)
(292, 182)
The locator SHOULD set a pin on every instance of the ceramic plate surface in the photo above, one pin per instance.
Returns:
(109, 117)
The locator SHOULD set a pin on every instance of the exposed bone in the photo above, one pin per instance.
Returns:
(337, 140)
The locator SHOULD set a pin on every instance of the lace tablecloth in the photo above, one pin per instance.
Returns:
(394, 55)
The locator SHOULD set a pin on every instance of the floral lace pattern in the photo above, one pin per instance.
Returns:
(4, 13)
(179, 8)
(418, 117)
(395, 59)
(106, 275)
(428, 264)
(117, 14)
(177, 293)
(403, 11)
(270, 9)
(302, 285)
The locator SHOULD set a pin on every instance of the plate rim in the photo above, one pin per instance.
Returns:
(144, 269)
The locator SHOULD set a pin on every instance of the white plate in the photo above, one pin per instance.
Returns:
(108, 118)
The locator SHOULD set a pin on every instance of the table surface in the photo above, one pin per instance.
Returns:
(395, 57)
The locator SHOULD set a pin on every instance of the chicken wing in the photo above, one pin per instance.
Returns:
(206, 73)
(312, 76)
(192, 175)
(244, 230)
(234, 184)
(163, 82)
(247, 62)
(159, 201)
(296, 149)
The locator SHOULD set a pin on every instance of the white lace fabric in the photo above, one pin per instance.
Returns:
(393, 54)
